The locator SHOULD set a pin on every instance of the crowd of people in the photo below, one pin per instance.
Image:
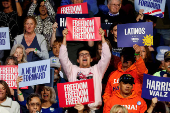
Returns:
(117, 72)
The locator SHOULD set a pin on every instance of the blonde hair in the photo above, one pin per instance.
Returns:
(23, 60)
(52, 94)
(116, 108)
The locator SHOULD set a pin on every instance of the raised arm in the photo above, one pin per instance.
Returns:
(19, 8)
(105, 56)
(32, 8)
(50, 10)
(19, 93)
(63, 56)
(53, 38)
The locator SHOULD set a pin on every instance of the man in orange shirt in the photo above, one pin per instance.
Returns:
(126, 97)
(129, 64)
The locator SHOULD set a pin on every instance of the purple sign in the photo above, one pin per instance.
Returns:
(156, 87)
(135, 33)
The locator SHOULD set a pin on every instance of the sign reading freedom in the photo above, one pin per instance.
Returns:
(71, 93)
(156, 87)
(34, 73)
(83, 29)
(9, 73)
(135, 33)
(80, 8)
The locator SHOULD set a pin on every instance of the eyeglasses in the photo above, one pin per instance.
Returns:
(115, 5)
(86, 54)
(35, 104)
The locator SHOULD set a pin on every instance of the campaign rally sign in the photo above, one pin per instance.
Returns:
(83, 29)
(151, 7)
(9, 73)
(71, 93)
(154, 86)
(135, 33)
(61, 20)
(72, 10)
(80, 8)
(161, 51)
(34, 73)
(4, 38)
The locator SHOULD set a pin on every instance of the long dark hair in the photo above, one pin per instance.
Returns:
(8, 93)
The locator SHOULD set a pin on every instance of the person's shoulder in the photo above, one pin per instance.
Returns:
(19, 36)
(40, 37)
(158, 73)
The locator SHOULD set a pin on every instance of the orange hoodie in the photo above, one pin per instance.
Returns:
(136, 70)
(133, 103)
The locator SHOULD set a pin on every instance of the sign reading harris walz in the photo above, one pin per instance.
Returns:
(72, 10)
(151, 7)
(156, 87)
(135, 33)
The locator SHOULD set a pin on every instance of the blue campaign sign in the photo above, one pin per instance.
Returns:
(151, 7)
(161, 51)
(4, 38)
(34, 73)
(156, 87)
(135, 33)
(61, 20)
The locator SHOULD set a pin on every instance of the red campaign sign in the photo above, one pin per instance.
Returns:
(71, 93)
(73, 9)
(9, 73)
(83, 29)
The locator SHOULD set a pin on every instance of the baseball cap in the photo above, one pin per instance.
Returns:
(126, 78)
(54, 62)
(167, 56)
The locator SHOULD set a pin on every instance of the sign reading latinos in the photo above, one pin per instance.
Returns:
(9, 74)
(80, 8)
(71, 93)
(156, 87)
(135, 33)
(4, 38)
(83, 29)
(72, 10)
(151, 7)
(34, 73)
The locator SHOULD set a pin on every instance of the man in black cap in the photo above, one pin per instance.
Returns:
(126, 97)
(131, 63)
(166, 72)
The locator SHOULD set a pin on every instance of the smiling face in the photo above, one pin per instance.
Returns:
(84, 59)
(45, 94)
(56, 49)
(42, 9)
(114, 6)
(29, 25)
(2, 92)
(6, 4)
(19, 54)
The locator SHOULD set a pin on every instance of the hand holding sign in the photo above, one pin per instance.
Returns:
(154, 101)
